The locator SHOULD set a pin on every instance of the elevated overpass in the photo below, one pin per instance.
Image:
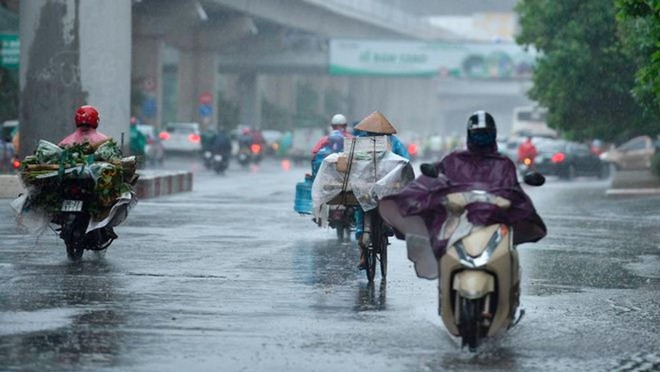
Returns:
(254, 39)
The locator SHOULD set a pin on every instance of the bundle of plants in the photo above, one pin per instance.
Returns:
(99, 171)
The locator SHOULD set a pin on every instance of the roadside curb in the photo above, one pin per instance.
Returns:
(151, 186)
(634, 183)
(623, 192)
(148, 185)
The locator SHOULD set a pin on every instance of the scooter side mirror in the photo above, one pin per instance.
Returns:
(534, 179)
(428, 170)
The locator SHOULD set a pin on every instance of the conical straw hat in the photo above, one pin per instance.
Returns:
(376, 123)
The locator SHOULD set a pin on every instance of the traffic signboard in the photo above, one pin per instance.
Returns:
(10, 51)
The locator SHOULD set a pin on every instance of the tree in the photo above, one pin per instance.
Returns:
(639, 24)
(584, 74)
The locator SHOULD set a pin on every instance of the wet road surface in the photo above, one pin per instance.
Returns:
(228, 277)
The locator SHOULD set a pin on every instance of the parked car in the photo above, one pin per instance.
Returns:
(568, 160)
(155, 150)
(634, 154)
(182, 137)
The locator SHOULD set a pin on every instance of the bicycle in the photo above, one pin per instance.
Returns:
(377, 241)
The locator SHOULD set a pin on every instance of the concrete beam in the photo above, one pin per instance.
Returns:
(286, 62)
(184, 33)
(315, 18)
(465, 87)
(382, 15)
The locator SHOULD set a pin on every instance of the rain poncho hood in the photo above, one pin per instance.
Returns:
(82, 135)
(471, 170)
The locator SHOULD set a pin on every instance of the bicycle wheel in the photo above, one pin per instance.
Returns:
(371, 262)
(379, 242)
(339, 228)
(383, 256)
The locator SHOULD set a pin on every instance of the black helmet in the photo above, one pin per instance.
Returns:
(481, 130)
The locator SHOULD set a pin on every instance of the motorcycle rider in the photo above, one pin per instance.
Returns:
(339, 123)
(221, 144)
(527, 150)
(374, 125)
(87, 121)
(138, 141)
(245, 138)
(480, 167)
(335, 144)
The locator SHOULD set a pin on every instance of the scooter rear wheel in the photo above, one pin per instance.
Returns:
(73, 250)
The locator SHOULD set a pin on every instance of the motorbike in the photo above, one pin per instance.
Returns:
(208, 159)
(256, 152)
(74, 218)
(342, 219)
(525, 165)
(479, 274)
(244, 156)
(220, 163)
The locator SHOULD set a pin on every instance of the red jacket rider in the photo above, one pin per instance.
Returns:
(527, 150)
(87, 120)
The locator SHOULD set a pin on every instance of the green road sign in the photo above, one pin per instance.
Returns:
(10, 51)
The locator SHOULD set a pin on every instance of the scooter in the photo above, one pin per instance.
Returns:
(479, 283)
(256, 153)
(219, 163)
(342, 219)
(208, 159)
(74, 217)
(243, 156)
(525, 166)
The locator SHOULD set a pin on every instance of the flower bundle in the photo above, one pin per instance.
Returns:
(96, 173)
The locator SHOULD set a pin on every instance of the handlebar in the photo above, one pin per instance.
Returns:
(457, 201)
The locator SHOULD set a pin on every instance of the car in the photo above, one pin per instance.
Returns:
(635, 154)
(182, 137)
(568, 159)
(155, 150)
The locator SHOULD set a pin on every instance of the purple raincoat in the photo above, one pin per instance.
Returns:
(466, 170)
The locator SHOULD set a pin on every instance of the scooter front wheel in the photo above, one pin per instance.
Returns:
(470, 323)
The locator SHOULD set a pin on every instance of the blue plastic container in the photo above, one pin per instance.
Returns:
(303, 203)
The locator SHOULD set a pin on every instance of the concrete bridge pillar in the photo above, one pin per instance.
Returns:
(197, 76)
(73, 53)
(250, 99)
(147, 78)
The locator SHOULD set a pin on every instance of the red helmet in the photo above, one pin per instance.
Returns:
(87, 115)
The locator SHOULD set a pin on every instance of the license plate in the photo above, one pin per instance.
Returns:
(217, 157)
(72, 205)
